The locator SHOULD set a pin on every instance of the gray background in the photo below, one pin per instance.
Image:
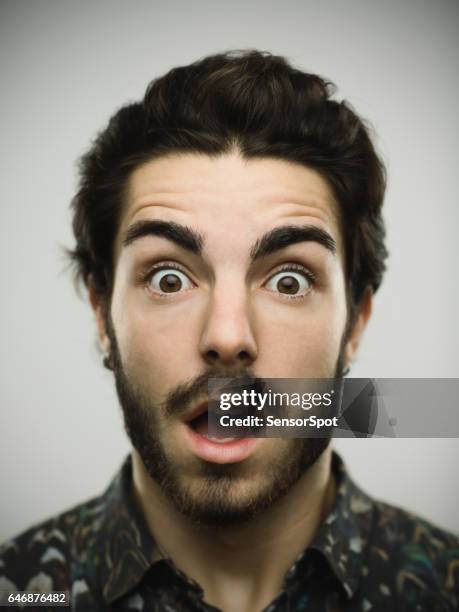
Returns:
(65, 67)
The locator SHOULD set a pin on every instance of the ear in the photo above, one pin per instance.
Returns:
(358, 327)
(99, 307)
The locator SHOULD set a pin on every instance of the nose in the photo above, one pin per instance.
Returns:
(227, 338)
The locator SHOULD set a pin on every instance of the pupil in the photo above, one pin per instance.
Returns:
(288, 284)
(170, 283)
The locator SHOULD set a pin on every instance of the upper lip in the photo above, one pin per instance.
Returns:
(197, 411)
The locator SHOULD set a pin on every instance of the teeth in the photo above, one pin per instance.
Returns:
(219, 440)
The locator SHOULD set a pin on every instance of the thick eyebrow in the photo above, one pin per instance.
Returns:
(190, 240)
(183, 236)
(282, 237)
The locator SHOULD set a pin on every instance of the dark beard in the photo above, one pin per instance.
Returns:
(214, 504)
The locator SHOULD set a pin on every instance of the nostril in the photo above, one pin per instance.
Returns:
(233, 358)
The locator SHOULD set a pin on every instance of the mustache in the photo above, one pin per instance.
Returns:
(184, 395)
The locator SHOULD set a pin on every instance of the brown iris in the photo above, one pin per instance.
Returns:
(288, 284)
(170, 283)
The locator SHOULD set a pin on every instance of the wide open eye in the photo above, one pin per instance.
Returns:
(169, 280)
(290, 282)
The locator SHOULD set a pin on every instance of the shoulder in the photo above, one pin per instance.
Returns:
(413, 557)
(44, 557)
(399, 530)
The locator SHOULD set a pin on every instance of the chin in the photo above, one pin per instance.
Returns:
(233, 494)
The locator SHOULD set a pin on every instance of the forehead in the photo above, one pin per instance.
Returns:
(245, 197)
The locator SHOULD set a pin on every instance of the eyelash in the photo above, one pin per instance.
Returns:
(308, 274)
(167, 265)
(311, 278)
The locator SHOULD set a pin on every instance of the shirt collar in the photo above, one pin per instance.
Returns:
(343, 536)
(129, 551)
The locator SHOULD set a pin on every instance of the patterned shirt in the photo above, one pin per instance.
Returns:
(366, 556)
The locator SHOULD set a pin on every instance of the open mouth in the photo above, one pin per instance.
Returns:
(199, 423)
(214, 449)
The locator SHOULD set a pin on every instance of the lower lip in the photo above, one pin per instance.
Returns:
(220, 452)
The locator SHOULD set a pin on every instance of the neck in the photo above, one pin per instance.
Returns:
(240, 567)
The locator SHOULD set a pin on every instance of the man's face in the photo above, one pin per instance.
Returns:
(222, 300)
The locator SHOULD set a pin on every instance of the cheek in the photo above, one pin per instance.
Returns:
(154, 342)
(301, 341)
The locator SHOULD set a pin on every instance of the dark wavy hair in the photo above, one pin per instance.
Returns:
(261, 105)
